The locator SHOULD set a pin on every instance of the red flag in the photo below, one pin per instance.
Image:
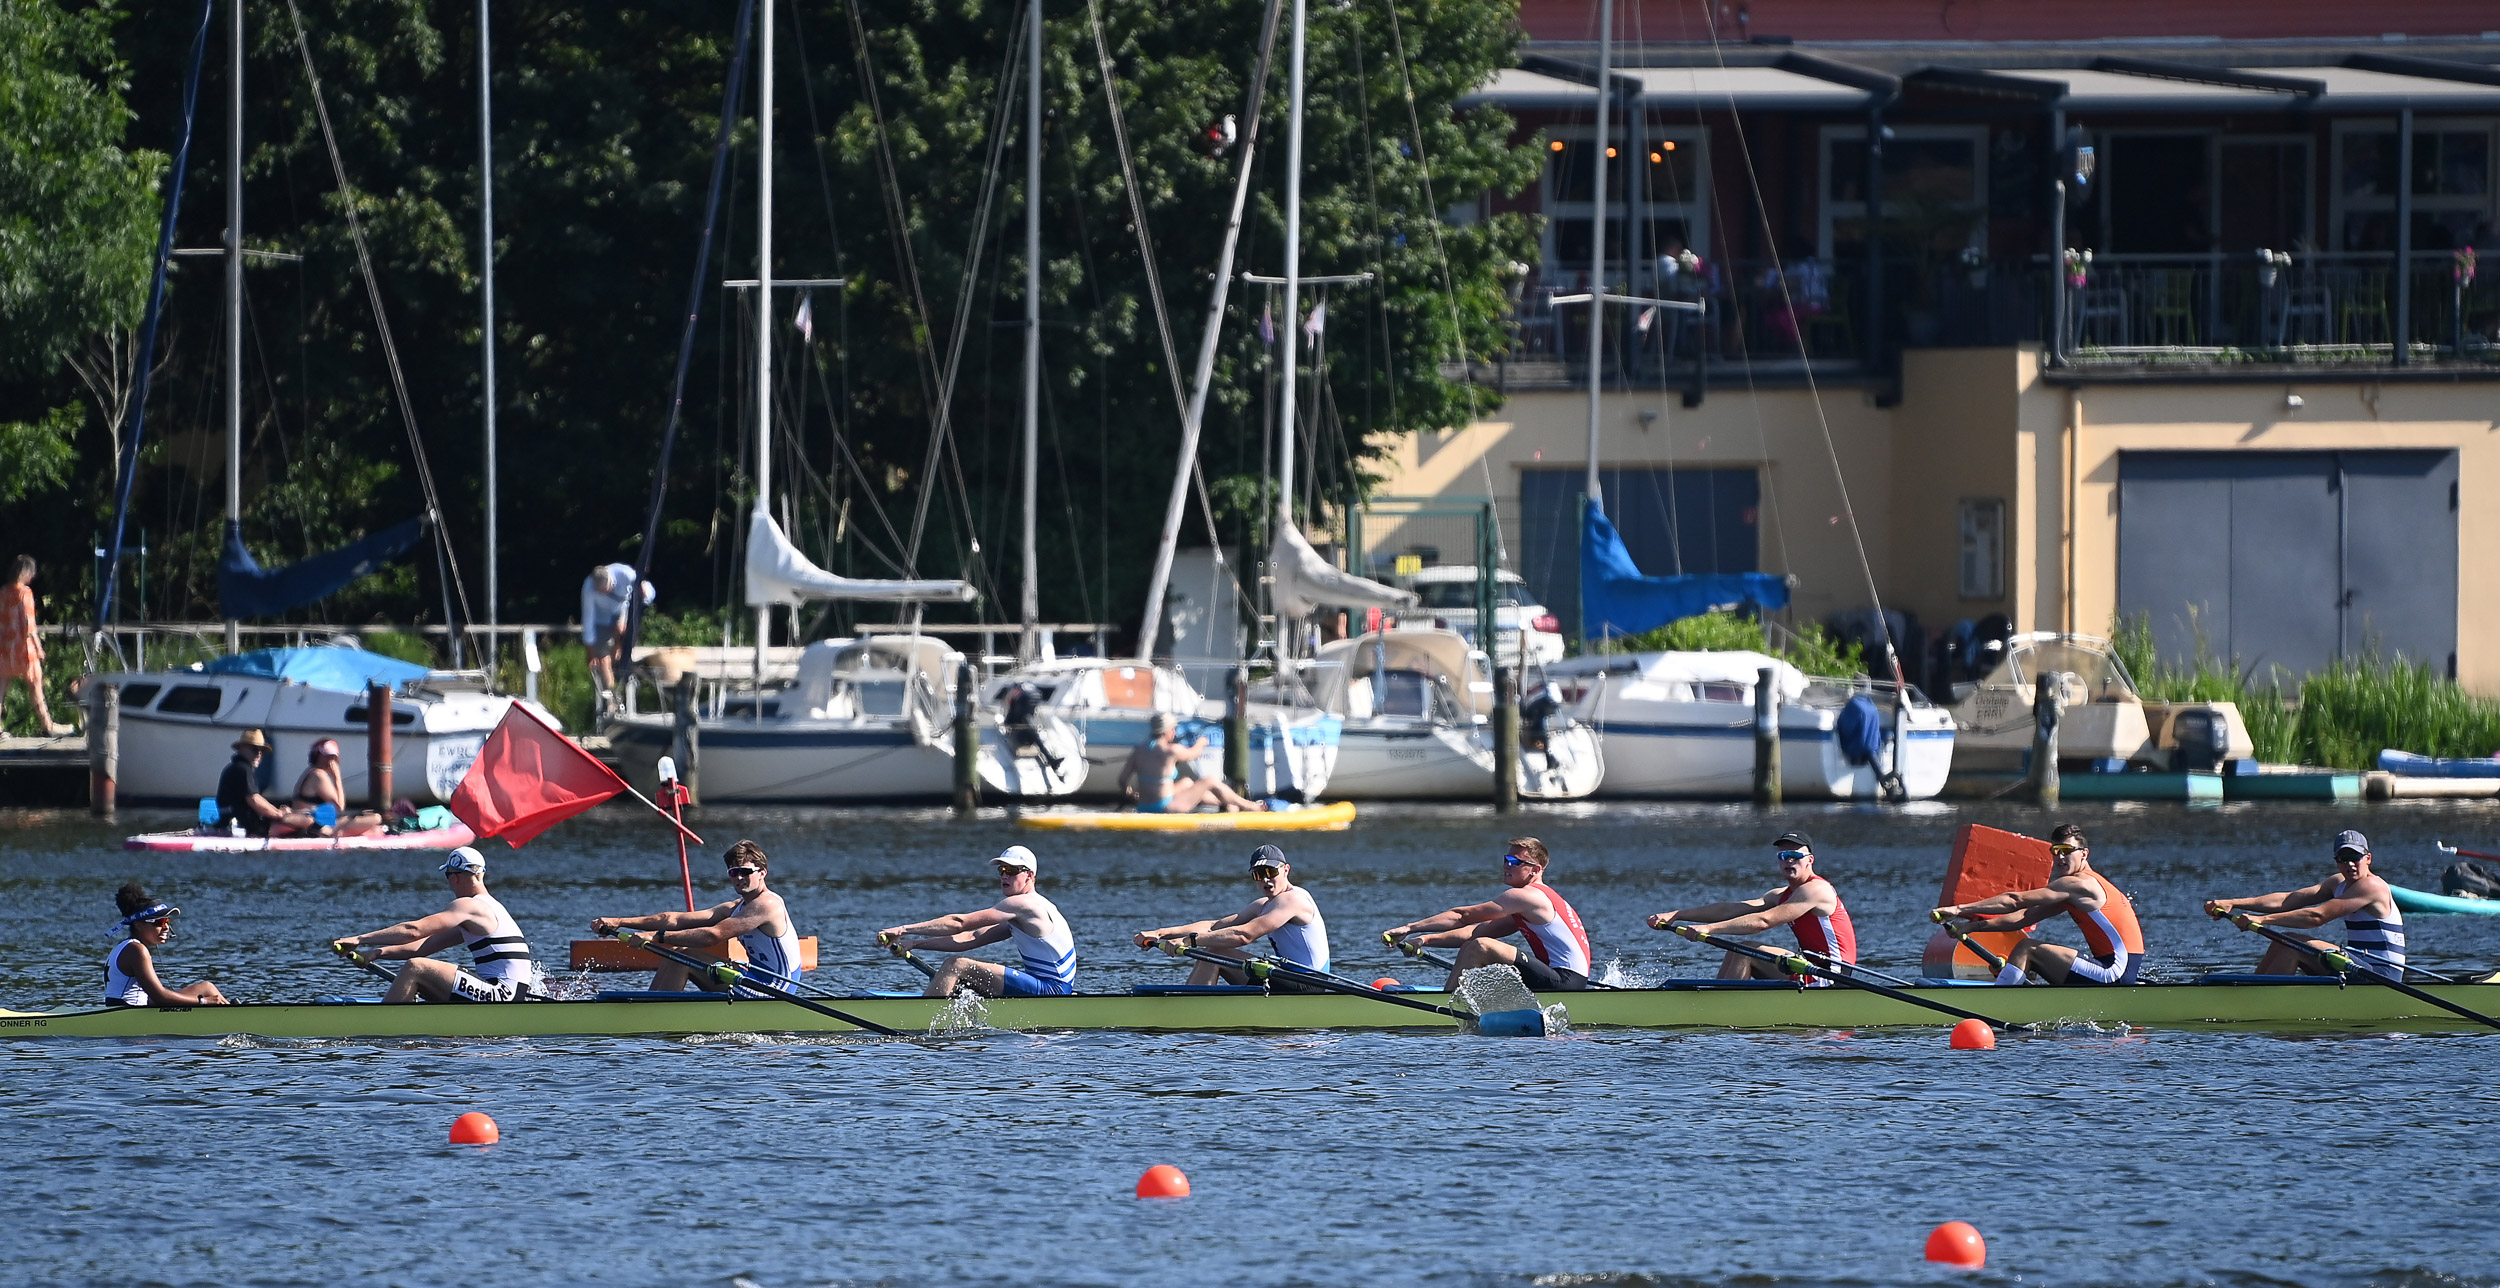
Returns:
(528, 778)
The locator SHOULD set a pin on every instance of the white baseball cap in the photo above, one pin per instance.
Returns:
(466, 859)
(1016, 856)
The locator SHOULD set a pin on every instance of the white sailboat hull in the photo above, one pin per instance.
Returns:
(872, 761)
(1404, 759)
(171, 757)
(1705, 752)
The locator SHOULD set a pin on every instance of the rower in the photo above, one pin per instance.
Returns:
(238, 793)
(2353, 894)
(2113, 941)
(130, 969)
(499, 954)
(1557, 960)
(1284, 914)
(1045, 945)
(1153, 778)
(1809, 905)
(757, 919)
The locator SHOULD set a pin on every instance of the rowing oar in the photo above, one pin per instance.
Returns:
(1962, 936)
(731, 977)
(1792, 964)
(895, 946)
(1499, 1024)
(1418, 952)
(2340, 961)
(358, 958)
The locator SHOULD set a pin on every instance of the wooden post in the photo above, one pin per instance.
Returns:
(1766, 737)
(378, 746)
(1237, 731)
(1505, 739)
(2044, 707)
(689, 738)
(104, 747)
(967, 743)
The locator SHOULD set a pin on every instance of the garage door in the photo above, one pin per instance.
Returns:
(2289, 559)
(1673, 521)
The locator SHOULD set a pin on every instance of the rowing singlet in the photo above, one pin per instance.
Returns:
(503, 953)
(1052, 959)
(778, 954)
(2373, 934)
(1303, 945)
(119, 988)
(1831, 935)
(2111, 929)
(1559, 943)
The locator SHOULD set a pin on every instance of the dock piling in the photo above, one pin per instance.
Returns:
(104, 737)
(967, 742)
(1766, 737)
(688, 737)
(378, 746)
(1237, 730)
(1505, 739)
(2044, 711)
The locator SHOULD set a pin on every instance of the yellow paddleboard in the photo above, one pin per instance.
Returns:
(1332, 817)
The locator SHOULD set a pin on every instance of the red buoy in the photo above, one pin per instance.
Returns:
(1385, 983)
(1163, 1181)
(1956, 1243)
(1974, 1035)
(474, 1128)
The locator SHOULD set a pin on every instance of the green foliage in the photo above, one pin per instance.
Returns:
(2271, 718)
(36, 456)
(17, 709)
(404, 645)
(694, 626)
(1811, 651)
(564, 686)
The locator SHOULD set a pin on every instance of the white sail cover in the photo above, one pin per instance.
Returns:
(1304, 581)
(778, 574)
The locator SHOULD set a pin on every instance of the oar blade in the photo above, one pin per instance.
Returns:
(1511, 1024)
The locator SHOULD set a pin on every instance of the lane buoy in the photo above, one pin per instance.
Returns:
(1385, 983)
(1163, 1181)
(474, 1128)
(1974, 1035)
(1957, 1243)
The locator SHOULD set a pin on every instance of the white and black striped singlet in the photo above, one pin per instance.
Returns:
(2383, 936)
(503, 952)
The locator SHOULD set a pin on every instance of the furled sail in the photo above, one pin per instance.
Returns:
(778, 574)
(1304, 581)
(245, 589)
(1617, 599)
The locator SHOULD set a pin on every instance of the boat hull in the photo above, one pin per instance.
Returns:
(800, 761)
(1704, 753)
(1400, 759)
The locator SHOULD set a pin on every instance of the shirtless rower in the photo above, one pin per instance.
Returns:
(130, 969)
(1153, 775)
(499, 954)
(1557, 960)
(1284, 914)
(757, 919)
(1044, 944)
(2113, 941)
(2354, 895)
(1808, 905)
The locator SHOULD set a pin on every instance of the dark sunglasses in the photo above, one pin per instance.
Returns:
(2062, 851)
(1795, 856)
(1514, 861)
(1267, 872)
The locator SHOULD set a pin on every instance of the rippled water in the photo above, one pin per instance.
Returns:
(1598, 1157)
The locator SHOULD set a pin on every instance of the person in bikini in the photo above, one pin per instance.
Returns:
(501, 969)
(757, 919)
(1152, 777)
(1808, 904)
(2352, 894)
(2113, 951)
(1045, 947)
(1284, 914)
(321, 784)
(1557, 957)
(130, 969)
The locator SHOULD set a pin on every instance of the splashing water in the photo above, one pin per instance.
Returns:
(1488, 989)
(963, 1013)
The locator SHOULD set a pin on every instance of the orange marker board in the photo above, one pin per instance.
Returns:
(1986, 861)
(613, 955)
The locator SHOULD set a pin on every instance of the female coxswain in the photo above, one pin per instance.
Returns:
(130, 969)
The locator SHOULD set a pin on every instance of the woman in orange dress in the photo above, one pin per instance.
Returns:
(21, 646)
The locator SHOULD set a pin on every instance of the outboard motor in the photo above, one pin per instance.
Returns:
(2203, 741)
(1023, 701)
(1534, 713)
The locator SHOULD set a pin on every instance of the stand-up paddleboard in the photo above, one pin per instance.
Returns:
(1335, 816)
(2426, 901)
(437, 838)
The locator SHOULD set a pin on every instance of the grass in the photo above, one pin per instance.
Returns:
(1809, 650)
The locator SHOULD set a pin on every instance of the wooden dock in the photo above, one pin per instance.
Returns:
(43, 771)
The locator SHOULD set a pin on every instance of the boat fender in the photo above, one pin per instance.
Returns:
(1860, 730)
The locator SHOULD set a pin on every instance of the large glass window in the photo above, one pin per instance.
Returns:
(1935, 185)
(1658, 197)
(2451, 182)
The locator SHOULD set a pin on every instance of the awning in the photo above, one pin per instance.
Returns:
(1687, 88)
(2151, 87)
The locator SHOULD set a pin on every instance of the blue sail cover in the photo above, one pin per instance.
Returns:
(1617, 599)
(340, 670)
(245, 589)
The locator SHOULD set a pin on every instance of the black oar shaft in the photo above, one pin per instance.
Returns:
(1809, 968)
(926, 970)
(1962, 936)
(771, 986)
(1325, 981)
(2303, 945)
(387, 974)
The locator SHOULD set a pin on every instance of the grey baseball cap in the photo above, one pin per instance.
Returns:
(2351, 840)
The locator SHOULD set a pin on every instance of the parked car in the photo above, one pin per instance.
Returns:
(1449, 597)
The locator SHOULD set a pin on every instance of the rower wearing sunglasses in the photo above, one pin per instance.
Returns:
(757, 919)
(1284, 914)
(2353, 894)
(2113, 942)
(500, 966)
(130, 969)
(1808, 904)
(1045, 947)
(1558, 955)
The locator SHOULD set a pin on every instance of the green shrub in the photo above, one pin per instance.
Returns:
(563, 681)
(1811, 650)
(407, 646)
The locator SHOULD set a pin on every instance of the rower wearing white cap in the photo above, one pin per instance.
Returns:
(2353, 894)
(1284, 914)
(1045, 947)
(499, 954)
(757, 919)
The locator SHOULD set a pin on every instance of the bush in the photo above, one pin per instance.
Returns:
(563, 682)
(1811, 650)
(407, 646)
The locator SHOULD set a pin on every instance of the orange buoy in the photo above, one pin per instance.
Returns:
(1163, 1181)
(1974, 1035)
(1385, 983)
(1957, 1243)
(474, 1128)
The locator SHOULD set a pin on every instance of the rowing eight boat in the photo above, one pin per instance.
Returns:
(2241, 1001)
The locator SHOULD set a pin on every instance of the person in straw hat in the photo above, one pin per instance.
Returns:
(238, 792)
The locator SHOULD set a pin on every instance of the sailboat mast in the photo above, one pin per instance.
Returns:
(764, 307)
(1026, 649)
(1293, 285)
(234, 290)
(1597, 240)
(486, 297)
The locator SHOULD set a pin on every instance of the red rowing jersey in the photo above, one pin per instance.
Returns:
(1831, 935)
(1560, 943)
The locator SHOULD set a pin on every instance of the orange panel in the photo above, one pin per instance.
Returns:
(1129, 688)
(1986, 861)
(610, 955)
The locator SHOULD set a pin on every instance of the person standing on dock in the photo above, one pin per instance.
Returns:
(21, 644)
(1284, 914)
(1044, 944)
(499, 954)
(130, 969)
(757, 919)
(2353, 894)
(607, 603)
(2113, 941)
(1152, 775)
(1558, 956)
(1808, 904)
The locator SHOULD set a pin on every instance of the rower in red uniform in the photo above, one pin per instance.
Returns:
(1808, 905)
(1557, 960)
(2113, 942)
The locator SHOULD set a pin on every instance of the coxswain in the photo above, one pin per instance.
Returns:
(130, 969)
(1284, 914)
(1557, 959)
(1152, 776)
(2352, 894)
(499, 954)
(1045, 947)
(238, 793)
(757, 919)
(2113, 950)
(1809, 905)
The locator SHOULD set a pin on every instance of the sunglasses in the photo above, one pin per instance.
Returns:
(740, 874)
(1514, 861)
(1267, 872)
(1795, 856)
(2062, 851)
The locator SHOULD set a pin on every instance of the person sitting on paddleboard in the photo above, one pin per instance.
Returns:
(1284, 914)
(238, 793)
(2353, 894)
(321, 784)
(1809, 905)
(757, 919)
(2113, 941)
(499, 954)
(1557, 959)
(130, 969)
(1044, 944)
(1152, 777)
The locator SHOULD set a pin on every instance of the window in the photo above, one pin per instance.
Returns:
(1662, 202)
(139, 695)
(1935, 186)
(1983, 548)
(2264, 195)
(2452, 185)
(192, 700)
